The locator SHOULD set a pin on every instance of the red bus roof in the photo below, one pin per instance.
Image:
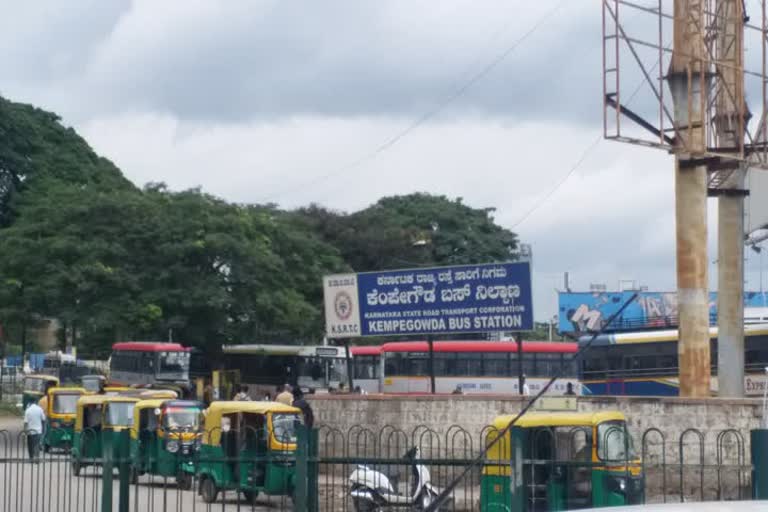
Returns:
(481, 346)
(367, 350)
(149, 346)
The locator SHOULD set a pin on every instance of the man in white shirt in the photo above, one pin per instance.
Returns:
(34, 419)
(526, 389)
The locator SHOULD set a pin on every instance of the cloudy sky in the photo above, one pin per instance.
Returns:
(342, 102)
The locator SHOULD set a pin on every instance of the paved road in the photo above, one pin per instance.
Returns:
(50, 485)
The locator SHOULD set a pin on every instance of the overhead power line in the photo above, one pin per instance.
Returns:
(460, 91)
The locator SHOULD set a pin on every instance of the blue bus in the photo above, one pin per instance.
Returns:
(645, 363)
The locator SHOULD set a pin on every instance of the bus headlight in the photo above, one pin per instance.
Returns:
(172, 446)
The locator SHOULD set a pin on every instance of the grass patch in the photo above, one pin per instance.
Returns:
(9, 409)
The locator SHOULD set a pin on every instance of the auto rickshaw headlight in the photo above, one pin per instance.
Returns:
(617, 484)
(172, 446)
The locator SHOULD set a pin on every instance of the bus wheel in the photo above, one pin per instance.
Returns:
(208, 490)
(75, 468)
(184, 481)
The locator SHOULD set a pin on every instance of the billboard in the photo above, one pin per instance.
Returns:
(440, 300)
(589, 311)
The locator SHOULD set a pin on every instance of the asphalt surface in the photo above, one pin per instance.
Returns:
(50, 485)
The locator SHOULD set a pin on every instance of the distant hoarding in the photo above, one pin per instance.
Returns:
(589, 311)
(441, 300)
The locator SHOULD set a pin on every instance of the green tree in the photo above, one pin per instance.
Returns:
(414, 230)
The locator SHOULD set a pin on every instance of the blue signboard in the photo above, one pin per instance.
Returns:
(461, 299)
(589, 311)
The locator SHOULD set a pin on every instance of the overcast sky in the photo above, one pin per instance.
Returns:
(290, 102)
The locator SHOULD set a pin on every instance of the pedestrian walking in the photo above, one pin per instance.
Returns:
(242, 395)
(285, 397)
(301, 403)
(34, 421)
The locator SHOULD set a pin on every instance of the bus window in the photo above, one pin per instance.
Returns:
(470, 363)
(496, 364)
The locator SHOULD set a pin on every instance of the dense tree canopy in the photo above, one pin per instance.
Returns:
(81, 244)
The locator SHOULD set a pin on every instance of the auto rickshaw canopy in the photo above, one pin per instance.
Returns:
(558, 419)
(40, 382)
(502, 449)
(216, 410)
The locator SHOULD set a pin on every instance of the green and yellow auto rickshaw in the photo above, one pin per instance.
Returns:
(98, 419)
(165, 439)
(61, 409)
(561, 461)
(248, 447)
(36, 386)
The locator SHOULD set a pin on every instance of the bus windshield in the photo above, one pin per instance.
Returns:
(174, 364)
(119, 414)
(188, 418)
(65, 404)
(284, 427)
(614, 443)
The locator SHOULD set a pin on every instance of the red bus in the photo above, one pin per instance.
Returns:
(476, 367)
(143, 362)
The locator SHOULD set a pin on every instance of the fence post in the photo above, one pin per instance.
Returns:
(302, 452)
(313, 498)
(124, 468)
(758, 440)
(106, 471)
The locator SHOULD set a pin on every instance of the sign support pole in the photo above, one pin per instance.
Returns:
(519, 341)
(350, 377)
(431, 343)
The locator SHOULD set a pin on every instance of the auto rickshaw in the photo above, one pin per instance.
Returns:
(561, 461)
(93, 384)
(98, 418)
(165, 439)
(248, 447)
(35, 387)
(61, 408)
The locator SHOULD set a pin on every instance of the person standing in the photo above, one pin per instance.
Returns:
(285, 397)
(526, 389)
(301, 403)
(34, 420)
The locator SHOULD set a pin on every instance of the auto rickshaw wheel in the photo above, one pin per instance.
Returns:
(46, 448)
(134, 476)
(184, 481)
(75, 468)
(250, 496)
(208, 489)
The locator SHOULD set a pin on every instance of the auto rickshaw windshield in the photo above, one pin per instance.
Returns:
(119, 414)
(614, 442)
(64, 403)
(183, 418)
(284, 427)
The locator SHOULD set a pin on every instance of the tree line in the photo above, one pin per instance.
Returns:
(111, 261)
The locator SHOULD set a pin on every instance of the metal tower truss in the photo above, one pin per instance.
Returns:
(637, 50)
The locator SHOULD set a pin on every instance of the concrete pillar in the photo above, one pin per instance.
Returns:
(687, 80)
(692, 293)
(730, 299)
(730, 118)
